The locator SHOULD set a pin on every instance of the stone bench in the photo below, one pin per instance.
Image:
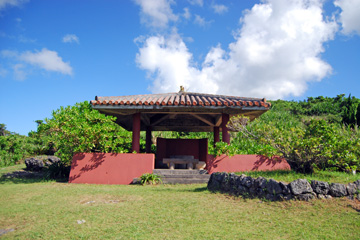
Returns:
(181, 160)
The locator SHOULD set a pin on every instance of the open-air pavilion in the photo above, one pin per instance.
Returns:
(180, 111)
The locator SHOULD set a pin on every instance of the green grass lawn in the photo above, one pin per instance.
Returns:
(39, 209)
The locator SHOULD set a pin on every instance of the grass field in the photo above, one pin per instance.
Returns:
(38, 209)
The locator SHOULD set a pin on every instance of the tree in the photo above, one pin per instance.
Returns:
(3, 131)
(80, 128)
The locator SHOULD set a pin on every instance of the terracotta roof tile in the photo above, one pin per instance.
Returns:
(182, 99)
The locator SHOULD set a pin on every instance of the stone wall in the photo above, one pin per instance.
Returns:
(272, 190)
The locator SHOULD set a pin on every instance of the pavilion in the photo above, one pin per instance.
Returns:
(180, 111)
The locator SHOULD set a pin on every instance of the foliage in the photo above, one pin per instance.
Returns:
(15, 147)
(150, 178)
(57, 170)
(80, 128)
(313, 145)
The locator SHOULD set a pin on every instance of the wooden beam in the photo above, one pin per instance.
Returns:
(146, 120)
(218, 121)
(203, 119)
(159, 120)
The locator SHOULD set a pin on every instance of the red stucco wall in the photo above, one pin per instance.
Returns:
(239, 163)
(109, 168)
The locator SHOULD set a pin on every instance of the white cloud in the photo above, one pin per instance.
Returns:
(3, 71)
(12, 3)
(156, 13)
(48, 60)
(219, 8)
(201, 21)
(196, 2)
(70, 38)
(19, 73)
(187, 14)
(275, 54)
(349, 17)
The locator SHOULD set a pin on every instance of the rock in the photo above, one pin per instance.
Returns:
(242, 190)
(285, 188)
(3, 231)
(351, 189)
(338, 190)
(357, 183)
(306, 196)
(34, 164)
(80, 221)
(225, 186)
(214, 182)
(260, 182)
(286, 197)
(320, 187)
(300, 186)
(273, 187)
(232, 183)
(51, 159)
(39, 162)
(247, 181)
(321, 196)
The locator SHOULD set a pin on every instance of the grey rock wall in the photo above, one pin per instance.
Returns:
(273, 190)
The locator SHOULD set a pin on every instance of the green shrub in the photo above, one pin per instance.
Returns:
(80, 128)
(57, 170)
(14, 147)
(150, 178)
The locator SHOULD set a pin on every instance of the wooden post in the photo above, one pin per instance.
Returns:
(225, 131)
(216, 135)
(136, 133)
(148, 139)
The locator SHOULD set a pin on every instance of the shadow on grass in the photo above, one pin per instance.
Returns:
(26, 177)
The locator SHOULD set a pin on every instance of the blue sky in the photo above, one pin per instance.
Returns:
(59, 52)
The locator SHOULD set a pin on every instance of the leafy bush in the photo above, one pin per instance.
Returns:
(306, 146)
(57, 170)
(15, 147)
(80, 128)
(150, 178)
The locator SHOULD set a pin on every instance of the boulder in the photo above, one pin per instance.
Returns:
(351, 189)
(50, 160)
(306, 196)
(247, 181)
(357, 183)
(214, 183)
(34, 164)
(260, 182)
(300, 186)
(285, 188)
(338, 190)
(273, 187)
(320, 187)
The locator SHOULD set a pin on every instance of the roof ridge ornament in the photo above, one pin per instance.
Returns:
(182, 90)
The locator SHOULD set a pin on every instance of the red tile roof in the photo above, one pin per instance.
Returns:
(182, 99)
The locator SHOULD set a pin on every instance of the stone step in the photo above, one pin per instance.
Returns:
(182, 176)
(163, 172)
(183, 180)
